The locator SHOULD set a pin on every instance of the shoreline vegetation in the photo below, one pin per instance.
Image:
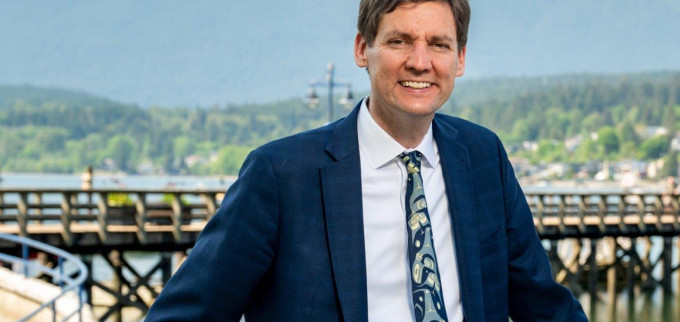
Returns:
(576, 120)
(157, 181)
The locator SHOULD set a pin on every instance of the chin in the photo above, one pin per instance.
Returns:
(420, 109)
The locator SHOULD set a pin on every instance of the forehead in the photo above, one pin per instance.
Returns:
(419, 17)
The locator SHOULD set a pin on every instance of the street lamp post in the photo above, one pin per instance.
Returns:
(331, 84)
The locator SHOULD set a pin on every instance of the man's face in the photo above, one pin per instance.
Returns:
(413, 61)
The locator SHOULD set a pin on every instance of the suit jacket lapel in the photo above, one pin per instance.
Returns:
(341, 189)
(459, 191)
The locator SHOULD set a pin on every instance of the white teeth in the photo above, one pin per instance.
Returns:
(416, 85)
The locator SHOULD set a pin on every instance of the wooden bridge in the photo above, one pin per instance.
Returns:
(144, 219)
(89, 221)
(122, 218)
(560, 215)
(585, 234)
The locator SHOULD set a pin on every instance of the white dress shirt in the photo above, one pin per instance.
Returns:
(383, 184)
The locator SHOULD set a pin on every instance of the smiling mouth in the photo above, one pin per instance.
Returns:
(415, 85)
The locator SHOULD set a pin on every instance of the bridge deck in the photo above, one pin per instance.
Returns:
(137, 216)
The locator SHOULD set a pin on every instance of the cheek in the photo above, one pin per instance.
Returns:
(380, 74)
(382, 81)
(449, 70)
(387, 63)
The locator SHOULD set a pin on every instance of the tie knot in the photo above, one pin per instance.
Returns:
(411, 160)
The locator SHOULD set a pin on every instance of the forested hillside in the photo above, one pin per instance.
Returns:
(563, 107)
(53, 130)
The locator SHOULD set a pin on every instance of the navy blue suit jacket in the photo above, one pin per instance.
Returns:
(287, 243)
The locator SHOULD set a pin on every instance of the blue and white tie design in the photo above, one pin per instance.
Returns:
(428, 300)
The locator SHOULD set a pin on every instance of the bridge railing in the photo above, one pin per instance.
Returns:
(67, 283)
(182, 214)
(103, 212)
(598, 214)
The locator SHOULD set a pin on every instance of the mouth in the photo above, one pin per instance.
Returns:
(415, 85)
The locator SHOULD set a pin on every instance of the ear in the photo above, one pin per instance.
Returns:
(360, 51)
(461, 62)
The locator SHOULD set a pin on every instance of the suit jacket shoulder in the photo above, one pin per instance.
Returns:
(469, 132)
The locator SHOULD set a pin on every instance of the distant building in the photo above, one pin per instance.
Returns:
(675, 144)
(146, 168)
(522, 166)
(652, 131)
(572, 143)
(653, 168)
(193, 160)
(629, 179)
(530, 145)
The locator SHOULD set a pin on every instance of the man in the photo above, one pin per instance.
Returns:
(390, 214)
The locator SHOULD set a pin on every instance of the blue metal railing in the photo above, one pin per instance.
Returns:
(65, 281)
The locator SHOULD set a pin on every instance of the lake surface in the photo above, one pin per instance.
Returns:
(110, 181)
(643, 306)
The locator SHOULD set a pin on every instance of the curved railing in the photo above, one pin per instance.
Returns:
(65, 281)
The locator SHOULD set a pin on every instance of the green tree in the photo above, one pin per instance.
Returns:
(592, 122)
(230, 158)
(669, 119)
(626, 133)
(183, 147)
(550, 151)
(588, 150)
(670, 165)
(628, 139)
(607, 137)
(121, 149)
(655, 147)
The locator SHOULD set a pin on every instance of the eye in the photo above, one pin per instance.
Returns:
(398, 43)
(442, 46)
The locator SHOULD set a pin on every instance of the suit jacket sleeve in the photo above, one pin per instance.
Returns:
(232, 254)
(533, 294)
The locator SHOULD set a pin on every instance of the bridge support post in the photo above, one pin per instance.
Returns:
(611, 272)
(633, 262)
(38, 200)
(630, 270)
(593, 272)
(611, 285)
(667, 257)
(646, 262)
(86, 184)
(117, 283)
(166, 268)
(87, 260)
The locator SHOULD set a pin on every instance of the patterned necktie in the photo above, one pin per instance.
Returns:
(426, 288)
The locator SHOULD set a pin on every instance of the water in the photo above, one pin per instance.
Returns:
(643, 306)
(110, 181)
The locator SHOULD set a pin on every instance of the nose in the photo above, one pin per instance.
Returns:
(419, 58)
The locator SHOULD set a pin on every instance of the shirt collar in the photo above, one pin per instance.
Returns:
(379, 148)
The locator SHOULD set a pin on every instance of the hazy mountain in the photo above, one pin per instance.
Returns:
(174, 53)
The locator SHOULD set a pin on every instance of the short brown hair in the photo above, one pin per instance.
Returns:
(372, 11)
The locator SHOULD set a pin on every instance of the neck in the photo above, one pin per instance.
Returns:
(408, 130)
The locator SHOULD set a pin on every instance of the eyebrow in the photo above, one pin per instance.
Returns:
(442, 38)
(400, 34)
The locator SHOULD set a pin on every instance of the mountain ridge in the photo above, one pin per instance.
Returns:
(173, 53)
